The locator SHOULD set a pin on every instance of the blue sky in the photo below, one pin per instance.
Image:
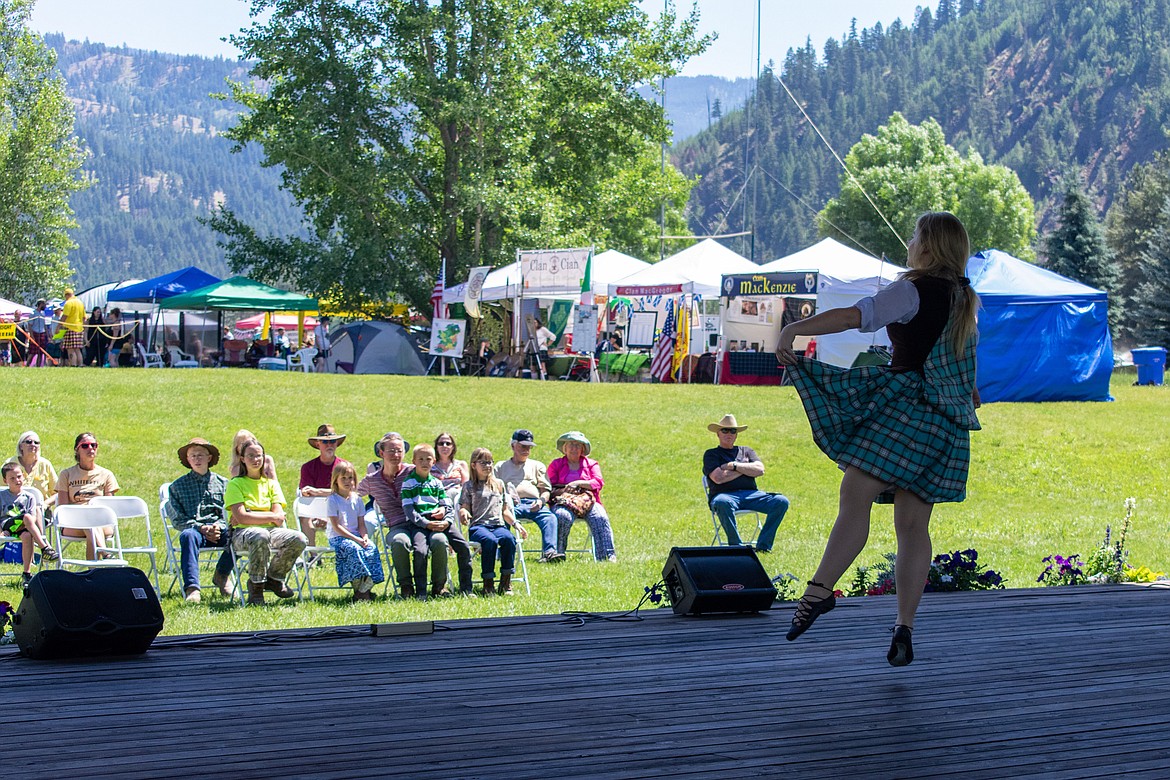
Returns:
(197, 26)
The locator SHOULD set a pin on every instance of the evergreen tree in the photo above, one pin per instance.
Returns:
(1130, 227)
(1077, 248)
(1151, 302)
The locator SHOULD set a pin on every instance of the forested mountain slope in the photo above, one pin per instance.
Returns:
(1049, 88)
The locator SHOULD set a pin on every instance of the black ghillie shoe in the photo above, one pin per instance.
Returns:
(901, 651)
(808, 610)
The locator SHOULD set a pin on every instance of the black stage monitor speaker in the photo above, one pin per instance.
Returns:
(716, 579)
(97, 612)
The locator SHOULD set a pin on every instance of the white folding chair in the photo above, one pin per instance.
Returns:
(125, 508)
(86, 517)
(5, 539)
(718, 540)
(174, 553)
(149, 359)
(315, 507)
(302, 360)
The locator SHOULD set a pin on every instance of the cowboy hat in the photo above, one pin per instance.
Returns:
(326, 433)
(198, 442)
(576, 436)
(728, 421)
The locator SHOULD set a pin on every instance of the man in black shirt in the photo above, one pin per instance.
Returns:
(731, 472)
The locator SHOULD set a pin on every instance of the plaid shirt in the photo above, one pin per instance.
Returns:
(197, 499)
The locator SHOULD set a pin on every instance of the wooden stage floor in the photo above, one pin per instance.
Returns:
(1043, 683)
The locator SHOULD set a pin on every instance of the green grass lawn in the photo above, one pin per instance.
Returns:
(1045, 478)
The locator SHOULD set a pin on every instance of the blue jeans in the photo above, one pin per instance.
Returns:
(490, 540)
(190, 543)
(546, 521)
(773, 505)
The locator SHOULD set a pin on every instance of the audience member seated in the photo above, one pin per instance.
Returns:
(317, 475)
(81, 482)
(434, 525)
(383, 483)
(21, 516)
(576, 483)
(255, 351)
(357, 559)
(38, 471)
(196, 509)
(485, 509)
(450, 471)
(731, 472)
(256, 504)
(526, 479)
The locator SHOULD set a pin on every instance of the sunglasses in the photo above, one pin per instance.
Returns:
(446, 444)
(32, 443)
(729, 430)
(481, 463)
(89, 445)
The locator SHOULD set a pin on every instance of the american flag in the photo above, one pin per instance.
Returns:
(660, 366)
(437, 293)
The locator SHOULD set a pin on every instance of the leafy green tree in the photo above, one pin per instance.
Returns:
(412, 132)
(1151, 303)
(39, 160)
(909, 169)
(1077, 248)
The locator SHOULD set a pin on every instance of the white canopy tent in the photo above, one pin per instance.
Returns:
(504, 283)
(845, 276)
(699, 269)
(9, 308)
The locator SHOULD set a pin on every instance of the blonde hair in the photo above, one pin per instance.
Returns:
(494, 483)
(942, 250)
(420, 449)
(239, 444)
(341, 470)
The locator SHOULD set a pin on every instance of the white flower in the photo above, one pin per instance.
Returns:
(946, 578)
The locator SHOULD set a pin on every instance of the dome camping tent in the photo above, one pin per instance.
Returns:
(374, 348)
(1042, 336)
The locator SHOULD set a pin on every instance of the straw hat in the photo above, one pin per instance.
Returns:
(728, 421)
(198, 442)
(576, 436)
(326, 433)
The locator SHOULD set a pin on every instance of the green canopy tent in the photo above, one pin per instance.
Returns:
(239, 293)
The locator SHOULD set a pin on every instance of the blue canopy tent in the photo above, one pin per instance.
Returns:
(1042, 336)
(160, 287)
(165, 286)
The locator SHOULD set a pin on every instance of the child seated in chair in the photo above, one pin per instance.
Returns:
(357, 559)
(434, 529)
(22, 516)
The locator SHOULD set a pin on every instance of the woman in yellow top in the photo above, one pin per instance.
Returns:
(255, 504)
(38, 471)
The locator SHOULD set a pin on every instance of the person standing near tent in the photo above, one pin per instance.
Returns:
(903, 428)
(73, 321)
(321, 342)
(38, 333)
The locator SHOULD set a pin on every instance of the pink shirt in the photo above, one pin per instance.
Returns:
(559, 473)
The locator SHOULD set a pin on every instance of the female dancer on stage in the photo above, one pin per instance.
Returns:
(902, 428)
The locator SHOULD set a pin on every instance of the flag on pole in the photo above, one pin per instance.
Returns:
(437, 293)
(587, 282)
(660, 365)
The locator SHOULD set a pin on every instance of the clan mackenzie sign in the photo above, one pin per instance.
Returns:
(757, 285)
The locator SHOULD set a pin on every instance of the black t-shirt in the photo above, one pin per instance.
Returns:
(716, 457)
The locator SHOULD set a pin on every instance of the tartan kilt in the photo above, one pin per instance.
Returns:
(74, 339)
(893, 424)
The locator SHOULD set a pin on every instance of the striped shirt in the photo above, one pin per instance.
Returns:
(421, 496)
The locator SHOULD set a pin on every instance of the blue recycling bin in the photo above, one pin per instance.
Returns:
(1151, 364)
